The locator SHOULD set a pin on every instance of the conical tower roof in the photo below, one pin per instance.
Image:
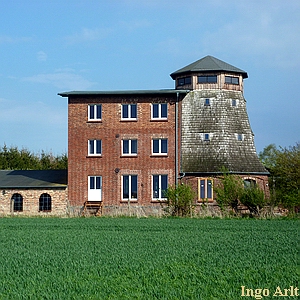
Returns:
(208, 64)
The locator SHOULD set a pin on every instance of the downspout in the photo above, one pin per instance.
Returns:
(176, 139)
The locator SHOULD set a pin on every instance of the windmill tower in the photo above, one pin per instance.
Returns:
(215, 128)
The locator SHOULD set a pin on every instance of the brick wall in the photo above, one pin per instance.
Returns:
(112, 165)
(31, 202)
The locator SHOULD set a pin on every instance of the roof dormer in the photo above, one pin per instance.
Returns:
(209, 73)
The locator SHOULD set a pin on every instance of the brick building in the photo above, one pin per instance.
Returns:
(33, 192)
(126, 147)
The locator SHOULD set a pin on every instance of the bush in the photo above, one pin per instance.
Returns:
(180, 199)
(254, 198)
(229, 191)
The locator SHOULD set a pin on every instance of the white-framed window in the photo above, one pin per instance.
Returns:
(159, 186)
(205, 189)
(159, 111)
(94, 112)
(94, 188)
(129, 111)
(129, 187)
(129, 147)
(233, 102)
(160, 146)
(95, 147)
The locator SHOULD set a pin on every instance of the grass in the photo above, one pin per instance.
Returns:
(128, 258)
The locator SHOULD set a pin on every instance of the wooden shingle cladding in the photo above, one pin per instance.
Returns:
(218, 134)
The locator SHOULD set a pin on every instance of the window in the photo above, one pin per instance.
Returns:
(129, 111)
(129, 185)
(159, 111)
(94, 188)
(160, 146)
(240, 137)
(17, 200)
(207, 79)
(205, 189)
(249, 183)
(207, 102)
(95, 112)
(231, 80)
(206, 137)
(45, 202)
(233, 102)
(129, 147)
(159, 186)
(94, 147)
(185, 80)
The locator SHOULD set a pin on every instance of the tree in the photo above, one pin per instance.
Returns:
(14, 159)
(180, 199)
(285, 174)
(268, 156)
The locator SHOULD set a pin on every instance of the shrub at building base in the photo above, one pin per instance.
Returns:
(254, 199)
(232, 193)
(180, 200)
(229, 192)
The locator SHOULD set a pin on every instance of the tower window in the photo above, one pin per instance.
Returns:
(207, 102)
(233, 102)
(207, 79)
(206, 137)
(231, 80)
(239, 137)
(185, 80)
(205, 189)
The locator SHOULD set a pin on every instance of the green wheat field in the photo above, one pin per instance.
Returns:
(146, 258)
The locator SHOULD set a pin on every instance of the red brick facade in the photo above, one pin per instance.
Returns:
(111, 130)
(206, 129)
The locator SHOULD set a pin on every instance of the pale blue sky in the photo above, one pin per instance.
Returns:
(47, 47)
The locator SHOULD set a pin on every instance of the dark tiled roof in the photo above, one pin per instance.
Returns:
(126, 92)
(209, 64)
(33, 178)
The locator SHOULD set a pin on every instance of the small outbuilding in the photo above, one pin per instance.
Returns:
(33, 192)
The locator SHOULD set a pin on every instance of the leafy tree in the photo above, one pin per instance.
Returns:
(285, 174)
(180, 199)
(268, 156)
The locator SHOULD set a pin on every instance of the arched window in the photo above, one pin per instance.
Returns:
(45, 202)
(17, 201)
(249, 183)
